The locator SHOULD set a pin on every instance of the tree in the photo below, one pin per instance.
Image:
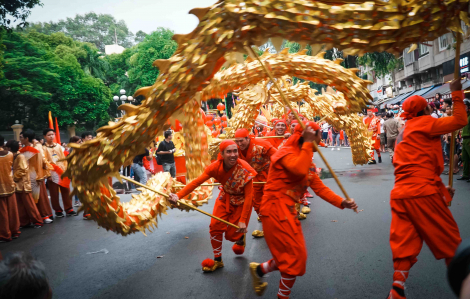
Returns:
(140, 36)
(44, 75)
(98, 29)
(16, 10)
(157, 45)
(380, 63)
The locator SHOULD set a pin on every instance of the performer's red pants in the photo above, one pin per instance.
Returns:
(9, 220)
(257, 196)
(415, 220)
(66, 200)
(286, 242)
(232, 215)
(27, 210)
(43, 204)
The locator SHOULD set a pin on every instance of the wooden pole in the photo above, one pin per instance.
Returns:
(219, 184)
(452, 141)
(286, 102)
(179, 201)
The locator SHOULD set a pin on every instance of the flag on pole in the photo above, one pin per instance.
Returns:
(57, 132)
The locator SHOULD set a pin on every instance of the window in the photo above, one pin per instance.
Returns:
(423, 50)
(444, 42)
(409, 57)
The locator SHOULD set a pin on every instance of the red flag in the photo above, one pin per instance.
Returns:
(57, 133)
(51, 124)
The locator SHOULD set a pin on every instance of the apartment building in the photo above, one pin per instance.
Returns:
(424, 71)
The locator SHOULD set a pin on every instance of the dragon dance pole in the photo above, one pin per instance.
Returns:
(286, 102)
(179, 201)
(452, 141)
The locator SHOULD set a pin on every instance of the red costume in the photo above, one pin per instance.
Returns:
(291, 173)
(151, 166)
(373, 125)
(234, 201)
(418, 199)
(258, 155)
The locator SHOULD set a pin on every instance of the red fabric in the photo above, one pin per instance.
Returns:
(412, 106)
(9, 220)
(27, 210)
(63, 181)
(146, 163)
(242, 133)
(216, 170)
(232, 214)
(341, 135)
(57, 132)
(373, 125)
(223, 145)
(281, 121)
(289, 177)
(419, 219)
(277, 142)
(269, 266)
(66, 200)
(29, 149)
(43, 204)
(418, 157)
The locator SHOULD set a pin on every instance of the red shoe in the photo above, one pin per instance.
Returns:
(396, 293)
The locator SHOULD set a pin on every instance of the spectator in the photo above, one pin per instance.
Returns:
(324, 129)
(150, 165)
(466, 146)
(22, 276)
(335, 133)
(391, 130)
(87, 136)
(166, 149)
(434, 112)
(382, 133)
(138, 167)
(437, 101)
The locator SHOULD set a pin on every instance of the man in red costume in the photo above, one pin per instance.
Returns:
(373, 125)
(280, 129)
(233, 204)
(257, 153)
(419, 198)
(291, 172)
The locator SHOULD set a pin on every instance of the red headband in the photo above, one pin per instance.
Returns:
(223, 145)
(242, 133)
(412, 106)
(310, 124)
(281, 121)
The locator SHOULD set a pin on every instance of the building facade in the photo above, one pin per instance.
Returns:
(426, 71)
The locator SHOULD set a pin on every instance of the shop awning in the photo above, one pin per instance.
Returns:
(443, 89)
(397, 99)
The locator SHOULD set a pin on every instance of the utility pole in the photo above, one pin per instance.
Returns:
(115, 35)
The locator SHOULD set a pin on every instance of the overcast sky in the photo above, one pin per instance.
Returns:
(145, 15)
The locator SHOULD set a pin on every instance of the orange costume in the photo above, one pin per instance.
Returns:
(9, 220)
(258, 155)
(27, 210)
(373, 125)
(37, 174)
(44, 171)
(419, 198)
(291, 173)
(54, 156)
(234, 201)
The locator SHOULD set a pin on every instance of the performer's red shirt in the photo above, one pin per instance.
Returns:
(237, 184)
(150, 165)
(258, 155)
(418, 157)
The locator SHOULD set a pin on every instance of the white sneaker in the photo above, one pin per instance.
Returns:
(332, 148)
(338, 148)
(47, 221)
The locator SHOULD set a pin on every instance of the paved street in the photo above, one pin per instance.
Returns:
(349, 254)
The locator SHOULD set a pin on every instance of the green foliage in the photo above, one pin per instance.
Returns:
(43, 73)
(18, 10)
(98, 29)
(381, 63)
(157, 45)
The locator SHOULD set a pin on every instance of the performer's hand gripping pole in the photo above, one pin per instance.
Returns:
(179, 201)
(286, 102)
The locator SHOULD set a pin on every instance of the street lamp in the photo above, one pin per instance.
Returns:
(123, 99)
